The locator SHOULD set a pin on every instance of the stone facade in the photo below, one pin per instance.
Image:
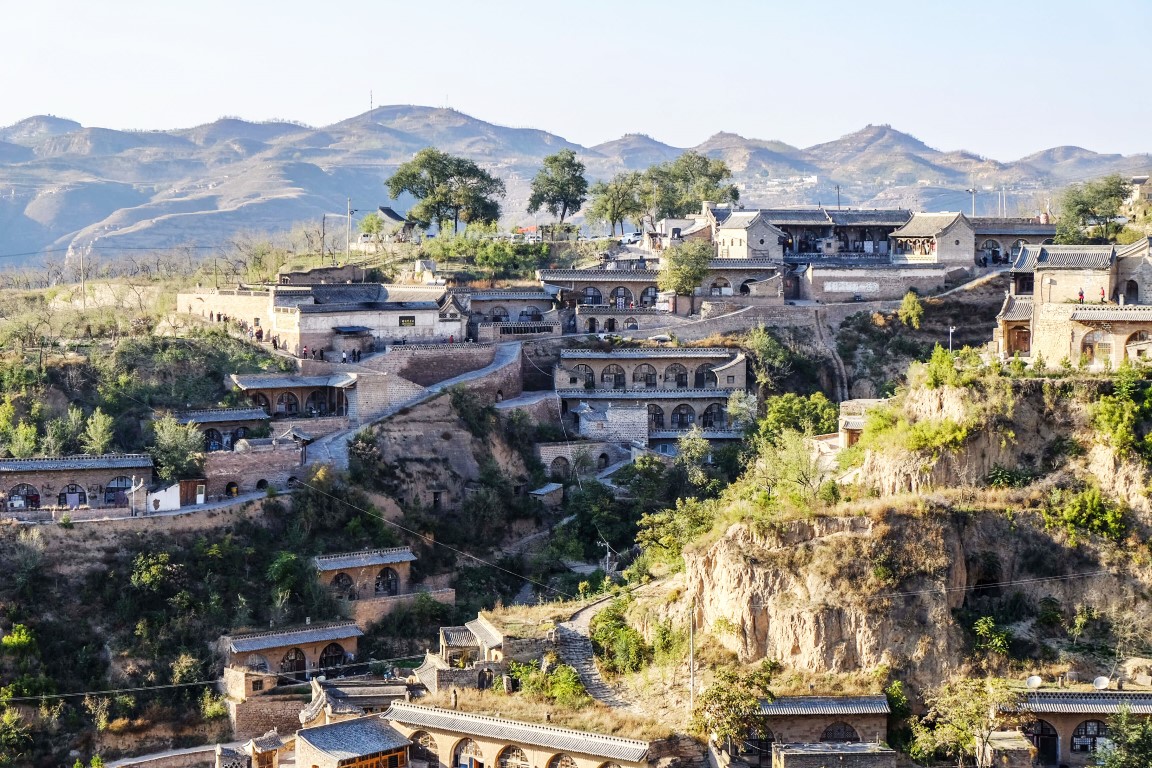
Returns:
(254, 465)
(260, 714)
(791, 729)
(561, 458)
(831, 283)
(72, 482)
(749, 235)
(839, 755)
(371, 584)
(298, 651)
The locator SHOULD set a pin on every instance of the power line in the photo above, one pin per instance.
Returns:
(105, 693)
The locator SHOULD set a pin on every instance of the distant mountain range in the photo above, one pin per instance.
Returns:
(63, 185)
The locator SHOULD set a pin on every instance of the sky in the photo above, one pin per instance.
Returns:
(1002, 79)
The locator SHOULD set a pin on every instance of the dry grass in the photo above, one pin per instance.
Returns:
(529, 621)
(593, 718)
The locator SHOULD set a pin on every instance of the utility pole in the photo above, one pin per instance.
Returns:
(972, 192)
(348, 240)
(323, 234)
(215, 273)
(837, 197)
(83, 282)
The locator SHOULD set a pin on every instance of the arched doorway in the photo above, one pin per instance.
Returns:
(116, 491)
(467, 755)
(645, 376)
(424, 749)
(343, 587)
(746, 287)
(840, 732)
(317, 403)
(621, 297)
(676, 375)
(260, 401)
(499, 315)
(1021, 338)
(560, 468)
(714, 417)
(612, 376)
(293, 662)
(287, 404)
(719, 285)
(512, 757)
(591, 295)
(655, 416)
(610, 325)
(213, 440)
(1046, 740)
(232, 489)
(991, 250)
(561, 761)
(648, 296)
(23, 496)
(602, 461)
(590, 325)
(387, 583)
(705, 377)
(683, 416)
(1096, 347)
(1131, 292)
(332, 656)
(1084, 738)
(756, 748)
(72, 496)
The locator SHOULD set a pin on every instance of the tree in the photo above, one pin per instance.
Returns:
(693, 452)
(694, 178)
(176, 449)
(961, 717)
(559, 187)
(771, 360)
(613, 202)
(23, 442)
(1094, 203)
(684, 267)
(788, 467)
(911, 311)
(14, 737)
(99, 432)
(743, 408)
(812, 415)
(1131, 741)
(373, 226)
(448, 188)
(729, 709)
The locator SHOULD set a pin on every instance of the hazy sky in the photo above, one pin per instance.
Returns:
(1001, 78)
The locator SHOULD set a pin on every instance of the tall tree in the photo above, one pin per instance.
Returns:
(961, 718)
(559, 187)
(615, 201)
(99, 432)
(177, 449)
(676, 189)
(684, 267)
(448, 188)
(729, 709)
(1131, 742)
(1094, 203)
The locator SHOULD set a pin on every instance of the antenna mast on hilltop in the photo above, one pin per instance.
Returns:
(370, 100)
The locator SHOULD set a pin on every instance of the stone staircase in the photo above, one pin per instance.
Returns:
(575, 650)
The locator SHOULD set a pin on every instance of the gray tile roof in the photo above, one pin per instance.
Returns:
(927, 224)
(459, 637)
(315, 633)
(390, 216)
(350, 739)
(516, 732)
(484, 634)
(273, 381)
(509, 296)
(826, 705)
(66, 463)
(834, 748)
(990, 226)
(871, 217)
(1016, 308)
(268, 742)
(600, 275)
(1034, 257)
(740, 220)
(1112, 313)
(1087, 702)
(546, 489)
(363, 559)
(797, 217)
(642, 352)
(722, 263)
(852, 422)
(218, 415)
(369, 306)
(715, 393)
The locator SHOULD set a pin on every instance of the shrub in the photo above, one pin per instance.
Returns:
(619, 647)
(1088, 511)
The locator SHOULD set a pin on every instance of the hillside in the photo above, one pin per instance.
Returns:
(70, 186)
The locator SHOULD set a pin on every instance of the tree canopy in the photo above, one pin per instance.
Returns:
(449, 189)
(961, 718)
(615, 201)
(684, 266)
(730, 708)
(559, 187)
(1094, 203)
(1131, 742)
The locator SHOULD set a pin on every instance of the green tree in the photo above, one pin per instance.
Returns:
(811, 415)
(730, 708)
(1130, 741)
(676, 189)
(177, 449)
(788, 467)
(1094, 203)
(23, 442)
(14, 737)
(99, 433)
(961, 717)
(20, 641)
(448, 188)
(911, 311)
(615, 201)
(684, 267)
(559, 186)
(771, 360)
(743, 408)
(373, 226)
(693, 453)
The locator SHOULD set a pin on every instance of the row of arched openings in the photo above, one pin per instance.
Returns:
(529, 314)
(287, 404)
(1097, 345)
(756, 748)
(294, 661)
(618, 297)
(468, 754)
(610, 325)
(683, 416)
(26, 496)
(645, 375)
(1086, 738)
(387, 584)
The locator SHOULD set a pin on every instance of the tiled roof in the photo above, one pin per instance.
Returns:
(65, 463)
(546, 489)
(740, 220)
(598, 275)
(1016, 308)
(509, 296)
(459, 637)
(722, 263)
(826, 705)
(272, 381)
(625, 354)
(797, 217)
(363, 559)
(351, 329)
(315, 633)
(516, 732)
(484, 633)
(1034, 257)
(1087, 702)
(1112, 313)
(216, 415)
(369, 306)
(350, 739)
(390, 216)
(926, 224)
(835, 748)
(644, 394)
(710, 433)
(268, 742)
(852, 422)
(874, 217)
(986, 226)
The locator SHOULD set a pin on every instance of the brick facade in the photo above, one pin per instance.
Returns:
(827, 283)
(253, 466)
(66, 482)
(260, 714)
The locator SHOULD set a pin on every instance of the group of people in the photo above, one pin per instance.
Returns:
(318, 354)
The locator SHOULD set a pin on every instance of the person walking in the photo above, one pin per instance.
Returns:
(1081, 295)
(344, 356)
(304, 354)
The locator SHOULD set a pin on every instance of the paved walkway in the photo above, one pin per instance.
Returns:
(576, 651)
(208, 750)
(231, 501)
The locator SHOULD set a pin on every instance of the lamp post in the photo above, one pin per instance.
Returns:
(951, 329)
(348, 241)
(972, 192)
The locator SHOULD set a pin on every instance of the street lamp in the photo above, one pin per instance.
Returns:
(973, 193)
(348, 241)
(951, 329)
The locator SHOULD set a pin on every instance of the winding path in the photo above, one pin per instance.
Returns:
(575, 650)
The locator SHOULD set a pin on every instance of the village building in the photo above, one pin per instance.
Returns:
(789, 721)
(336, 700)
(750, 235)
(72, 482)
(223, 427)
(364, 742)
(649, 395)
(462, 740)
(946, 239)
(254, 662)
(255, 464)
(999, 239)
(331, 274)
(504, 315)
(288, 396)
(1086, 304)
(841, 755)
(370, 584)
(1070, 726)
(476, 654)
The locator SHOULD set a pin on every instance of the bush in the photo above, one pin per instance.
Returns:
(1088, 511)
(619, 647)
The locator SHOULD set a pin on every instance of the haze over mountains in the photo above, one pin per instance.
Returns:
(64, 185)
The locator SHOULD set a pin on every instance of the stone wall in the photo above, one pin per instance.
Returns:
(809, 728)
(201, 757)
(1063, 286)
(371, 610)
(249, 464)
(51, 483)
(801, 757)
(245, 305)
(844, 283)
(497, 332)
(569, 451)
(426, 366)
(260, 714)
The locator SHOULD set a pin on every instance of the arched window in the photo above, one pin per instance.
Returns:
(424, 748)
(561, 761)
(467, 755)
(648, 296)
(584, 376)
(718, 286)
(72, 496)
(23, 496)
(612, 376)
(655, 416)
(610, 325)
(630, 324)
(293, 662)
(683, 416)
(676, 375)
(256, 663)
(260, 401)
(317, 403)
(1096, 347)
(621, 297)
(331, 656)
(512, 757)
(530, 314)
(591, 295)
(991, 250)
(287, 404)
(645, 375)
(756, 748)
(705, 377)
(387, 582)
(840, 731)
(1085, 736)
(1046, 740)
(560, 468)
(1131, 292)
(714, 417)
(499, 315)
(343, 588)
(1139, 337)
(1017, 247)
(116, 491)
(213, 440)
(590, 325)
